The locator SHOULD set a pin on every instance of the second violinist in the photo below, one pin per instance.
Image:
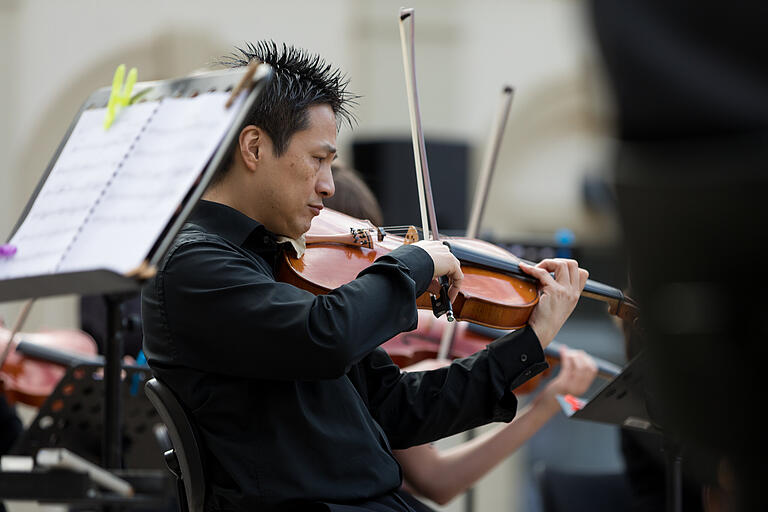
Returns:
(297, 406)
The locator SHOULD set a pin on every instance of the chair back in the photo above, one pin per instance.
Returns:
(186, 453)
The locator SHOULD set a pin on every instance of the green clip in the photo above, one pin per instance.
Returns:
(121, 93)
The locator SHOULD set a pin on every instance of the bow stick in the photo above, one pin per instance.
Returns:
(481, 194)
(441, 304)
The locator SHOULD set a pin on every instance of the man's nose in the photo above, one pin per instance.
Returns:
(325, 186)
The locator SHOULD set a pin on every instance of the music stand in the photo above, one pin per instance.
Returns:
(624, 402)
(118, 286)
(72, 417)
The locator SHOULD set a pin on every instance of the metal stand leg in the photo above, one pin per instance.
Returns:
(112, 444)
(469, 496)
(674, 475)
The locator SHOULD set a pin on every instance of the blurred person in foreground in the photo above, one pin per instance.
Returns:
(690, 84)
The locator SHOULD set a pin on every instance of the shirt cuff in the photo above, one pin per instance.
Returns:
(420, 266)
(519, 356)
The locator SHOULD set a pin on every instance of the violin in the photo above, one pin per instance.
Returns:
(495, 292)
(332, 258)
(28, 374)
(422, 343)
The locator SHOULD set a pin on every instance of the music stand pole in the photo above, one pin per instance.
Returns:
(112, 445)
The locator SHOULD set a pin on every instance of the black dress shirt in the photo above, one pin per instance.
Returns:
(294, 401)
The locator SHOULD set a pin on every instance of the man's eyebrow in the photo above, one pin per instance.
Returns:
(330, 148)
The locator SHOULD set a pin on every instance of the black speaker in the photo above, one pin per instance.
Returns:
(387, 167)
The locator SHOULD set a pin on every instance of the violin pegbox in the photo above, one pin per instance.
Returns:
(362, 237)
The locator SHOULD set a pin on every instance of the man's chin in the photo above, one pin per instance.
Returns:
(298, 231)
(308, 225)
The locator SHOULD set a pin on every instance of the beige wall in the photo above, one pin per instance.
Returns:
(53, 54)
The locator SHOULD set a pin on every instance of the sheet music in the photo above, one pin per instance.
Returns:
(111, 193)
(87, 162)
(164, 163)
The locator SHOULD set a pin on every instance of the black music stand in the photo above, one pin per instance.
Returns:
(624, 402)
(73, 418)
(117, 287)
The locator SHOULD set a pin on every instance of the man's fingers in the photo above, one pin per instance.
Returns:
(539, 273)
(453, 292)
(573, 272)
(456, 277)
(566, 360)
(583, 276)
(560, 267)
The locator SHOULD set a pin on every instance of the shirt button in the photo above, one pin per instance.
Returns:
(524, 357)
(527, 373)
(266, 240)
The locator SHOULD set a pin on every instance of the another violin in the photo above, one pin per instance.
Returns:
(422, 343)
(28, 375)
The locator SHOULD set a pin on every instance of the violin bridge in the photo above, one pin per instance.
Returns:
(411, 236)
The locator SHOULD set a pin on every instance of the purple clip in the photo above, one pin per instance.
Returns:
(7, 250)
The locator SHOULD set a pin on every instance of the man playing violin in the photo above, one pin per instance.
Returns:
(296, 406)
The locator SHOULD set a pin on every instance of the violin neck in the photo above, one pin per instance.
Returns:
(52, 355)
(605, 369)
(618, 304)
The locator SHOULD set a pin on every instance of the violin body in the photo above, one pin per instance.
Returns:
(411, 347)
(30, 381)
(486, 297)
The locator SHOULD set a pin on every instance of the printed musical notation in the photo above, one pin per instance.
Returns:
(111, 193)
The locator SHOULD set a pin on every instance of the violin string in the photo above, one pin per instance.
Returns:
(398, 230)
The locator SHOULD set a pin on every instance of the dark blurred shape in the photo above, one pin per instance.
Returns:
(598, 193)
(10, 425)
(387, 167)
(691, 86)
(93, 320)
(643, 453)
(684, 69)
(565, 491)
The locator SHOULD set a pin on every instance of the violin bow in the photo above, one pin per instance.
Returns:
(481, 193)
(15, 330)
(489, 162)
(442, 303)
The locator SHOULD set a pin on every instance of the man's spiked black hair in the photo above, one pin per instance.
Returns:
(300, 80)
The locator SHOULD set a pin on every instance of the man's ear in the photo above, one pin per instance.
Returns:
(252, 145)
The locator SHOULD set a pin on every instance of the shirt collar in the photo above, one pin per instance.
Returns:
(225, 221)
